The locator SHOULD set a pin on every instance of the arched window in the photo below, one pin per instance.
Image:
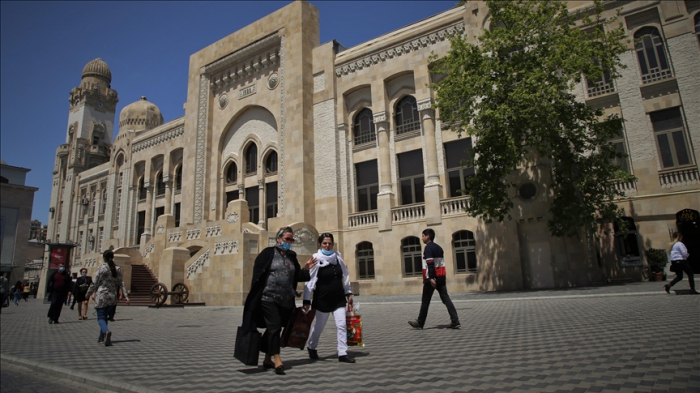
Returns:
(365, 260)
(178, 179)
(363, 127)
(160, 184)
(411, 256)
(231, 173)
(251, 159)
(626, 243)
(271, 162)
(465, 251)
(406, 117)
(651, 54)
(142, 190)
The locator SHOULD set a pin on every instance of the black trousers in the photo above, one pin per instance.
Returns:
(276, 317)
(683, 266)
(112, 312)
(428, 290)
(57, 300)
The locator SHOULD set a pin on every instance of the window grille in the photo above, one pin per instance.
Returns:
(411, 179)
(455, 153)
(363, 127)
(651, 53)
(251, 159)
(407, 118)
(670, 137)
(365, 260)
(411, 256)
(464, 247)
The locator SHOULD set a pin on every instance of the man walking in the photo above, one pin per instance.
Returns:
(434, 278)
(60, 286)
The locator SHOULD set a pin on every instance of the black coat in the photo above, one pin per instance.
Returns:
(78, 292)
(252, 313)
(68, 283)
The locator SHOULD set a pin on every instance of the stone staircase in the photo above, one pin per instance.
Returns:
(142, 279)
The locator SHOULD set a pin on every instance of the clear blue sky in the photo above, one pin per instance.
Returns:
(147, 45)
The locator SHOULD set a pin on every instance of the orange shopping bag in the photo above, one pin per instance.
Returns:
(354, 324)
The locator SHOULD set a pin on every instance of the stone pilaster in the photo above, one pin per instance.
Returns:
(433, 215)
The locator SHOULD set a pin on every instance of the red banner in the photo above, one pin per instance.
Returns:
(59, 256)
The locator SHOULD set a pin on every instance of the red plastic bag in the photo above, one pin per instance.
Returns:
(354, 325)
(298, 329)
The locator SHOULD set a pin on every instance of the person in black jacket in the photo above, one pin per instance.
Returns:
(60, 286)
(270, 302)
(79, 291)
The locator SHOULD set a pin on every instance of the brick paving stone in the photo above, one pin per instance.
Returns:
(585, 339)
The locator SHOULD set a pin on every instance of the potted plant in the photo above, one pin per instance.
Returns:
(656, 258)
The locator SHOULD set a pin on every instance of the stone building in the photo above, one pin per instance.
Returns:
(16, 201)
(280, 129)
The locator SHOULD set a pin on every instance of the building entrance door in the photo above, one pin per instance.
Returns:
(688, 223)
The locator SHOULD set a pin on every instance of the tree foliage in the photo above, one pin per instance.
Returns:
(512, 90)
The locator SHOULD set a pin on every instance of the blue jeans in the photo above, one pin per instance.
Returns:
(102, 315)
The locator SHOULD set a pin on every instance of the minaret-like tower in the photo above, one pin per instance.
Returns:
(88, 140)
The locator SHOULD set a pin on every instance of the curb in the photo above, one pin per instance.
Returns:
(76, 376)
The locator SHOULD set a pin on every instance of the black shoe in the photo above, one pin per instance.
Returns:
(56, 321)
(108, 339)
(50, 321)
(345, 359)
(694, 292)
(312, 353)
(416, 324)
(667, 288)
(72, 307)
(268, 365)
(100, 341)
(454, 325)
(279, 370)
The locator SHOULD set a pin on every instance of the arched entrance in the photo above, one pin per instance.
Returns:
(688, 224)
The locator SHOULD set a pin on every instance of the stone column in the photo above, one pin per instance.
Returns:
(261, 203)
(146, 236)
(168, 193)
(433, 215)
(385, 198)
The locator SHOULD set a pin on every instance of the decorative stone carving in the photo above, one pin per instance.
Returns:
(380, 117)
(213, 231)
(304, 241)
(201, 149)
(223, 101)
(399, 50)
(175, 236)
(273, 81)
(160, 230)
(232, 217)
(280, 184)
(424, 104)
(193, 234)
(246, 230)
(149, 249)
(158, 139)
(198, 264)
(225, 248)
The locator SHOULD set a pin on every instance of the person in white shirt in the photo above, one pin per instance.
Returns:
(679, 263)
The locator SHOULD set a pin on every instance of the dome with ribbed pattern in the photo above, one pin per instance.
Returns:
(99, 69)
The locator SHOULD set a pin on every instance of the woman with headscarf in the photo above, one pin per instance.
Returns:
(330, 284)
(270, 302)
(104, 291)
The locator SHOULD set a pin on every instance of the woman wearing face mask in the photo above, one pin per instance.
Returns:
(104, 291)
(330, 284)
(270, 302)
(80, 293)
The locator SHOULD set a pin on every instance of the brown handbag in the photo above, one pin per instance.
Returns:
(298, 329)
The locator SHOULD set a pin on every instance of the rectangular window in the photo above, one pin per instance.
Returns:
(79, 247)
(252, 195)
(367, 182)
(91, 241)
(271, 200)
(412, 258)
(100, 237)
(231, 196)
(411, 179)
(103, 205)
(619, 142)
(157, 213)
(670, 137)
(455, 153)
(119, 205)
(176, 209)
(141, 226)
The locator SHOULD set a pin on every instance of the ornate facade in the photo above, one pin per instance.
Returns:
(280, 129)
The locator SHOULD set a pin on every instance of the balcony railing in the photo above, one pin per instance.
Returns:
(681, 177)
(363, 219)
(600, 88)
(450, 207)
(656, 74)
(408, 213)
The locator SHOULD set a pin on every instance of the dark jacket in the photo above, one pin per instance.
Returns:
(252, 313)
(77, 290)
(68, 283)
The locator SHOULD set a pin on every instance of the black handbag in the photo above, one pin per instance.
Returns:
(674, 267)
(247, 348)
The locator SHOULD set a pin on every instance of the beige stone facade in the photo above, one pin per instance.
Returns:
(280, 129)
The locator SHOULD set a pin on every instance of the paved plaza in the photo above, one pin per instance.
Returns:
(628, 337)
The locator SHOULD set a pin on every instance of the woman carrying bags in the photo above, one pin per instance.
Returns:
(104, 291)
(679, 262)
(330, 284)
(270, 302)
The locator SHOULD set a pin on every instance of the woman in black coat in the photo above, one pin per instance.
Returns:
(270, 302)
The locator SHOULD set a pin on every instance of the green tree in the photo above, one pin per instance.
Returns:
(512, 90)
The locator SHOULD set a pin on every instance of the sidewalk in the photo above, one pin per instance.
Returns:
(609, 338)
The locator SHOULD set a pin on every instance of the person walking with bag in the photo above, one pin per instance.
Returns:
(104, 291)
(60, 285)
(82, 284)
(679, 263)
(270, 302)
(434, 277)
(17, 291)
(330, 285)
